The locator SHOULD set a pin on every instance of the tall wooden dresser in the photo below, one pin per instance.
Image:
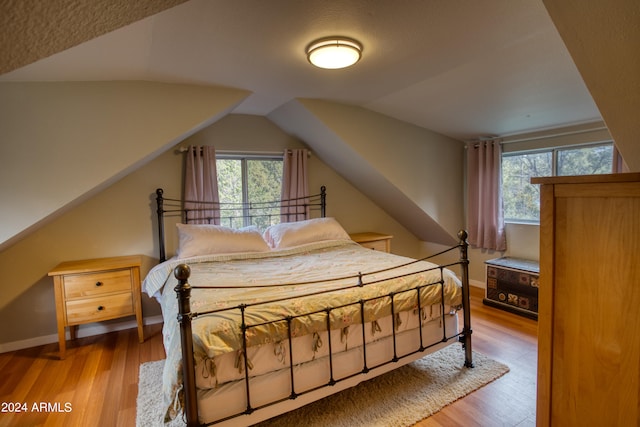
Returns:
(589, 301)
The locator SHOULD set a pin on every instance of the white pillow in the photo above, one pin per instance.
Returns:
(205, 239)
(288, 234)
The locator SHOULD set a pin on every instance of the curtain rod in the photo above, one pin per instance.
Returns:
(541, 134)
(551, 134)
(246, 153)
(492, 141)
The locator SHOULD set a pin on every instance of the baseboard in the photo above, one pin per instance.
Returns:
(477, 283)
(87, 331)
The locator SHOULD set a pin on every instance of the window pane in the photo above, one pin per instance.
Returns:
(264, 185)
(585, 160)
(521, 199)
(230, 191)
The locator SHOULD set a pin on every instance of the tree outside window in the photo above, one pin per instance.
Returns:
(249, 189)
(521, 199)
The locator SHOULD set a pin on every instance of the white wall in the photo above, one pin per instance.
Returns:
(523, 241)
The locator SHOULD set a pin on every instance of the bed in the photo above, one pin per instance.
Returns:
(266, 322)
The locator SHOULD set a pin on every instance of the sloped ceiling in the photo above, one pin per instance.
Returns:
(35, 29)
(63, 142)
(604, 42)
(462, 69)
(386, 159)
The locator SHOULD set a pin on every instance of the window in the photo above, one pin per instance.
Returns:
(249, 179)
(521, 200)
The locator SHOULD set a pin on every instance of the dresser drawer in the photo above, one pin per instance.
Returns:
(95, 284)
(99, 308)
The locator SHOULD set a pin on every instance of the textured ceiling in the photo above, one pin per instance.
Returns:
(34, 29)
(464, 69)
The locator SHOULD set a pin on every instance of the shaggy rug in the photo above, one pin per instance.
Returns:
(399, 398)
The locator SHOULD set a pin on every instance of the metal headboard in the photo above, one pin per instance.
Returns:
(232, 213)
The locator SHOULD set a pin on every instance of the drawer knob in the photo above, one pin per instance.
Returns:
(99, 284)
(100, 307)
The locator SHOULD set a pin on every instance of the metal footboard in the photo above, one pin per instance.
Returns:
(185, 317)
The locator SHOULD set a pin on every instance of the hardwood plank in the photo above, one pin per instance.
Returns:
(99, 376)
(511, 399)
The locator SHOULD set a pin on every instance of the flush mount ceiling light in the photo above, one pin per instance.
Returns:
(334, 52)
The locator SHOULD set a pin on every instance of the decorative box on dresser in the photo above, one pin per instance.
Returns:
(589, 301)
(94, 290)
(375, 241)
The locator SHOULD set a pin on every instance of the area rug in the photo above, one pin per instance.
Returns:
(398, 398)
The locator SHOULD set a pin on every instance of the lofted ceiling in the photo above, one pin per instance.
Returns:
(464, 68)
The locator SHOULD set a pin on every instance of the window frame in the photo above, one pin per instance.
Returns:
(554, 167)
(514, 154)
(244, 158)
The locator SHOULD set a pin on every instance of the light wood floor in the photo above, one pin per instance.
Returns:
(96, 385)
(510, 400)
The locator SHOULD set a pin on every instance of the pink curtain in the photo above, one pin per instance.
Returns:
(201, 186)
(484, 208)
(619, 166)
(294, 186)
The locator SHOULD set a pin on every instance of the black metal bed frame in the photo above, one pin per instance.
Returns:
(176, 208)
(185, 317)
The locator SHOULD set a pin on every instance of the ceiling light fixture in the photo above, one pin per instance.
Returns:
(334, 52)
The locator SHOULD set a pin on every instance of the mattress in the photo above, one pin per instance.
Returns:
(311, 278)
(274, 388)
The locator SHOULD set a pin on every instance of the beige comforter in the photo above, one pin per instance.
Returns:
(323, 267)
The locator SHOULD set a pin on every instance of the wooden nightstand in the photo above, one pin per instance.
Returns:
(375, 241)
(94, 290)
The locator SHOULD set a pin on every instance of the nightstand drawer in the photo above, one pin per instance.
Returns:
(375, 241)
(94, 284)
(379, 245)
(99, 308)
